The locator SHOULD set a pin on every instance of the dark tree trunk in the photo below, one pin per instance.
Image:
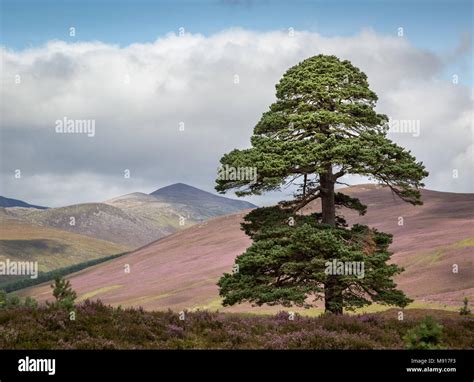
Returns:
(332, 290)
(327, 197)
(333, 295)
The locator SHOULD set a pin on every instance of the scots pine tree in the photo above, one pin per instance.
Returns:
(63, 293)
(322, 126)
(464, 311)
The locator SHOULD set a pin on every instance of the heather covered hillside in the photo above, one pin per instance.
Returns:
(97, 326)
(181, 270)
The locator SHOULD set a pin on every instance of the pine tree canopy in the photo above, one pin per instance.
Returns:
(322, 126)
(323, 116)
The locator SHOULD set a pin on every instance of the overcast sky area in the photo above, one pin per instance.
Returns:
(172, 87)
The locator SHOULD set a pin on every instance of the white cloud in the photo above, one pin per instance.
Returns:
(139, 94)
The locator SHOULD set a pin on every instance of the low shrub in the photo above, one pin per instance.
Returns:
(426, 335)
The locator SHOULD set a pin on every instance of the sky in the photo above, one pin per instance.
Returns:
(171, 86)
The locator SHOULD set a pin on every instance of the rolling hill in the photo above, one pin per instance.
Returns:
(7, 202)
(159, 215)
(65, 236)
(52, 248)
(135, 219)
(97, 220)
(181, 270)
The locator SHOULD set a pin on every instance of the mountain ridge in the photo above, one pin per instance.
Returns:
(9, 202)
(133, 219)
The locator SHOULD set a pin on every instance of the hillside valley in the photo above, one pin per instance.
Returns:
(180, 271)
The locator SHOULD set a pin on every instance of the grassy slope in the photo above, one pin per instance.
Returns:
(164, 216)
(96, 220)
(52, 248)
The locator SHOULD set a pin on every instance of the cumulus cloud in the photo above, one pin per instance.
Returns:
(215, 87)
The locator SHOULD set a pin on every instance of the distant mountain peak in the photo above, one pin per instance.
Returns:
(131, 196)
(176, 187)
(192, 196)
(179, 184)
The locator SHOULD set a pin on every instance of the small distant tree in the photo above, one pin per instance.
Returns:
(3, 298)
(30, 302)
(427, 335)
(11, 301)
(464, 311)
(63, 293)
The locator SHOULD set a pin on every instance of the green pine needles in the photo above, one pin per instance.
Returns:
(322, 126)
